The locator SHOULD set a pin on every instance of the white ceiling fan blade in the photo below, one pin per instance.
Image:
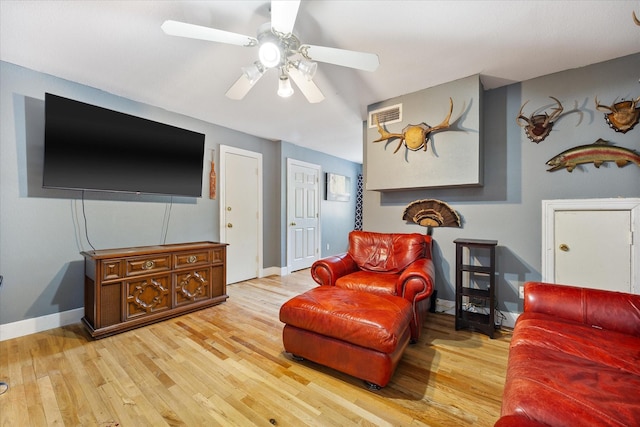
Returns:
(283, 15)
(346, 58)
(241, 87)
(307, 87)
(182, 29)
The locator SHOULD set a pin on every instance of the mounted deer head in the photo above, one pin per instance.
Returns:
(621, 116)
(537, 127)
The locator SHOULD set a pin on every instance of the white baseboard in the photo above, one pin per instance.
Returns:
(449, 307)
(56, 320)
(273, 271)
(39, 324)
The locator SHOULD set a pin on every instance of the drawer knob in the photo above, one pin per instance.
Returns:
(564, 247)
(148, 265)
(192, 259)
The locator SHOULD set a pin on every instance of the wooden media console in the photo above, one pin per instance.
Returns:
(132, 287)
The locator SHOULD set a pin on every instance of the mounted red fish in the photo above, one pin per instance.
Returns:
(596, 153)
(621, 116)
(538, 126)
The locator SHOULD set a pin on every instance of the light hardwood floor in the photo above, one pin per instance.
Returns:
(226, 366)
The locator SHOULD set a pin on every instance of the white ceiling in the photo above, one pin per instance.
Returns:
(118, 47)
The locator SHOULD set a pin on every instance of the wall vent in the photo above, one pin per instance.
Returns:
(388, 115)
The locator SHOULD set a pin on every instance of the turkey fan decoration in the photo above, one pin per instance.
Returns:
(431, 213)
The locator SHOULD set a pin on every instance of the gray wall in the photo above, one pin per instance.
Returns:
(42, 231)
(508, 207)
(338, 218)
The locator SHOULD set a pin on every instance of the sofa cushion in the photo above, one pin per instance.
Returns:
(368, 281)
(372, 321)
(385, 252)
(589, 373)
(610, 348)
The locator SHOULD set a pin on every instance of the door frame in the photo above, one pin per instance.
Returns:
(292, 162)
(224, 149)
(549, 207)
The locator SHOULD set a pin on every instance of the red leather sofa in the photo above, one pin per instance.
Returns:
(397, 264)
(574, 359)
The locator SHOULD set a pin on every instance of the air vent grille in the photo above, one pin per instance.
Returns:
(388, 115)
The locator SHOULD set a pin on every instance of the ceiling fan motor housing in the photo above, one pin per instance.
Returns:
(275, 48)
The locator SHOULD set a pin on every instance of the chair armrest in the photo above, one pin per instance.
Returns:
(614, 311)
(416, 282)
(327, 270)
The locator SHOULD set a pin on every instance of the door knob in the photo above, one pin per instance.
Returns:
(292, 224)
(229, 225)
(564, 247)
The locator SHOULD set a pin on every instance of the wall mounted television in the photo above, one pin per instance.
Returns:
(87, 147)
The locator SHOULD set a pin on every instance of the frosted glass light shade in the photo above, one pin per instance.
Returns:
(307, 68)
(269, 54)
(284, 87)
(253, 72)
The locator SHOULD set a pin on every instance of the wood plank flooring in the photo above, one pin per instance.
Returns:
(225, 366)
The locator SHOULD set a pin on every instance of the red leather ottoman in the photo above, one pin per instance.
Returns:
(355, 332)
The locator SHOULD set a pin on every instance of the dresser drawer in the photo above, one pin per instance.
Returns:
(150, 264)
(111, 269)
(219, 255)
(147, 295)
(188, 259)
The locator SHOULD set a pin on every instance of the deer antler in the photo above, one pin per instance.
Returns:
(556, 113)
(445, 122)
(601, 107)
(384, 134)
(523, 117)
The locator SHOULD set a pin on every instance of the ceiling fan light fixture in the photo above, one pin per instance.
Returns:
(307, 68)
(284, 86)
(270, 54)
(253, 72)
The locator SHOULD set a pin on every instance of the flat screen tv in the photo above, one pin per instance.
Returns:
(92, 148)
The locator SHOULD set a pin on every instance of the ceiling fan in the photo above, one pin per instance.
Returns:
(278, 48)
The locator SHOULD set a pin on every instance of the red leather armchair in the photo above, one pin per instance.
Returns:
(384, 263)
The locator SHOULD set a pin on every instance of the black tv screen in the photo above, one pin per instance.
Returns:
(92, 148)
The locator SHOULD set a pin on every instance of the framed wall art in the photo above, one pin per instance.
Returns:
(338, 187)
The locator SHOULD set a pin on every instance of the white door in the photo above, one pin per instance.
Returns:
(593, 249)
(241, 212)
(303, 214)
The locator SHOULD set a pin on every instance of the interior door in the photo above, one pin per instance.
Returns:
(303, 214)
(593, 248)
(241, 212)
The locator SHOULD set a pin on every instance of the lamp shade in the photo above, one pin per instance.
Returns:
(307, 68)
(270, 54)
(253, 72)
(284, 87)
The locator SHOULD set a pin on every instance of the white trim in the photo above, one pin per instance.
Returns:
(224, 149)
(293, 162)
(444, 306)
(548, 230)
(273, 271)
(39, 324)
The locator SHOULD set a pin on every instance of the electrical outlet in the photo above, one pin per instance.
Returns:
(521, 292)
(327, 246)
